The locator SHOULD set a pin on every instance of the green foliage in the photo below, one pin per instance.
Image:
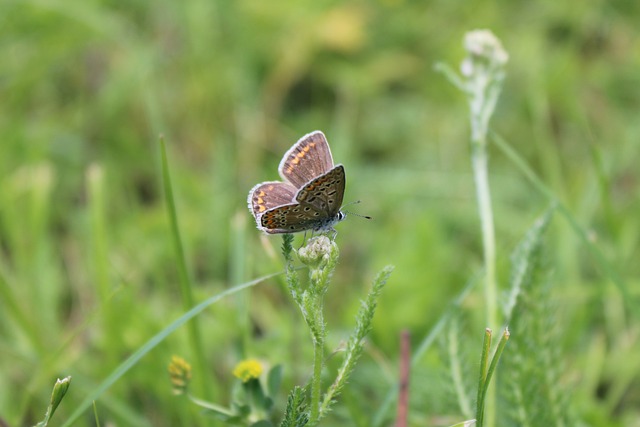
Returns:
(537, 393)
(296, 414)
(488, 365)
(526, 265)
(355, 344)
(320, 255)
(91, 285)
(274, 379)
(59, 390)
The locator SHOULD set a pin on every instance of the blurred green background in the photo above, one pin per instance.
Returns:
(87, 267)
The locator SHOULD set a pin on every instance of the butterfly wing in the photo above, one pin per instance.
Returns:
(290, 219)
(268, 195)
(311, 196)
(325, 193)
(309, 158)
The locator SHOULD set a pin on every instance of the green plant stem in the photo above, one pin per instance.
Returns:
(482, 381)
(481, 105)
(318, 335)
(483, 73)
(479, 161)
(486, 372)
(318, 353)
(496, 357)
(211, 406)
(321, 255)
(481, 178)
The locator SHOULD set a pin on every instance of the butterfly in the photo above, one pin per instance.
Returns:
(310, 196)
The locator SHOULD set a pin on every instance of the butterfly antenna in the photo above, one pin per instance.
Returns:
(355, 202)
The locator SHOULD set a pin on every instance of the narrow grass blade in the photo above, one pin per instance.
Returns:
(185, 282)
(607, 268)
(153, 342)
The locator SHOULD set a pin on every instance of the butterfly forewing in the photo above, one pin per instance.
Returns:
(324, 194)
(309, 158)
(268, 195)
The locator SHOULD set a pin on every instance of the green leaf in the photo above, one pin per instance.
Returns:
(243, 410)
(274, 379)
(524, 261)
(295, 415)
(268, 403)
(59, 390)
(254, 390)
(354, 345)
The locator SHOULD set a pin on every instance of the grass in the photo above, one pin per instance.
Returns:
(88, 268)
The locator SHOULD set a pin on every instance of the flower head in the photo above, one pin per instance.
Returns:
(180, 374)
(317, 252)
(485, 53)
(247, 370)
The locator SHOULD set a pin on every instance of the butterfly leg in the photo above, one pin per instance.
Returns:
(334, 232)
(304, 239)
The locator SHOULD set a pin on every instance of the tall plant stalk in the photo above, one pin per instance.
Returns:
(479, 161)
(320, 255)
(483, 70)
(481, 80)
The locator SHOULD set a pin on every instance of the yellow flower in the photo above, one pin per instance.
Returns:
(247, 370)
(180, 374)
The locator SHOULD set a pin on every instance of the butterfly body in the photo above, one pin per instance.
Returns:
(310, 195)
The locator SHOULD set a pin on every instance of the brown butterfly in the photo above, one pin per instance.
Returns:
(311, 195)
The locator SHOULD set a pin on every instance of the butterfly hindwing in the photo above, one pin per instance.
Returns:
(291, 218)
(268, 195)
